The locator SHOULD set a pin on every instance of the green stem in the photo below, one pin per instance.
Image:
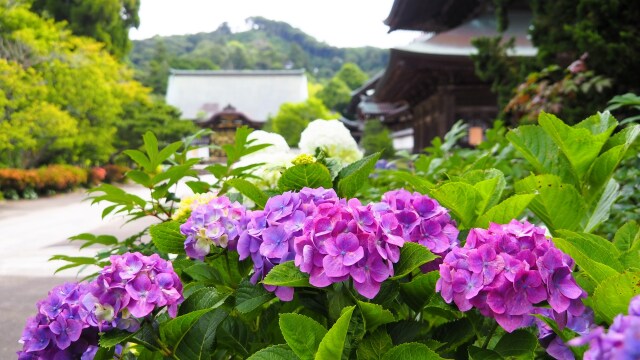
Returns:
(491, 332)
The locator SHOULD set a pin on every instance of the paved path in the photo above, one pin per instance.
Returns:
(31, 231)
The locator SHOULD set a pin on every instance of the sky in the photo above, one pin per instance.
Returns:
(341, 23)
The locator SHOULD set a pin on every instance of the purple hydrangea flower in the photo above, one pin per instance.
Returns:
(506, 271)
(421, 220)
(218, 222)
(621, 341)
(268, 238)
(69, 319)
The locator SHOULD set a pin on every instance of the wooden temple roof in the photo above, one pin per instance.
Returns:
(416, 70)
(432, 15)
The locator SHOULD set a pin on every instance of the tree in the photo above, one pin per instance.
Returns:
(335, 95)
(292, 118)
(352, 75)
(107, 21)
(376, 138)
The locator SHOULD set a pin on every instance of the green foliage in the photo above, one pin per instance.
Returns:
(353, 176)
(376, 138)
(305, 175)
(292, 119)
(267, 45)
(335, 95)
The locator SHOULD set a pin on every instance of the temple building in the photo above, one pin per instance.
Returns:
(430, 83)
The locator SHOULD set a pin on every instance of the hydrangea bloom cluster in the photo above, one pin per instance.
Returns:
(622, 341)
(422, 220)
(133, 285)
(333, 137)
(506, 270)
(69, 319)
(218, 222)
(269, 235)
(60, 329)
(342, 241)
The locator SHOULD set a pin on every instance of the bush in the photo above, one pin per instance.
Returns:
(115, 173)
(29, 183)
(376, 138)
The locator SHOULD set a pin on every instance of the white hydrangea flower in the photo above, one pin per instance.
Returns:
(279, 144)
(332, 136)
(275, 159)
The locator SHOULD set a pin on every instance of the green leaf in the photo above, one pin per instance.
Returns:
(595, 247)
(411, 351)
(204, 298)
(104, 354)
(198, 187)
(581, 144)
(198, 340)
(559, 205)
(306, 175)
(140, 158)
(490, 184)
(351, 178)
(459, 197)
(507, 210)
(303, 334)
(412, 256)
(151, 146)
(165, 153)
(249, 297)
(250, 191)
(627, 236)
(332, 344)
(167, 237)
(375, 315)
(601, 212)
(419, 290)
(519, 344)
(374, 346)
(174, 331)
(114, 337)
(612, 296)
(476, 353)
(419, 184)
(139, 177)
(286, 274)
(535, 145)
(599, 272)
(276, 352)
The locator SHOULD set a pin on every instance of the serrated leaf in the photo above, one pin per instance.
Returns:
(599, 272)
(535, 145)
(412, 256)
(302, 334)
(306, 175)
(139, 177)
(167, 237)
(198, 187)
(505, 211)
(595, 247)
(459, 197)
(114, 337)
(476, 353)
(286, 274)
(204, 298)
(627, 236)
(250, 191)
(419, 184)
(375, 315)
(612, 296)
(276, 352)
(411, 351)
(374, 346)
(332, 344)
(151, 147)
(419, 290)
(601, 211)
(249, 297)
(519, 344)
(351, 178)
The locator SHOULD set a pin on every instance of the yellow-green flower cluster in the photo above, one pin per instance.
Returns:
(303, 159)
(189, 202)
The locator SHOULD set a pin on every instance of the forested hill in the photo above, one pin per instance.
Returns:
(267, 45)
